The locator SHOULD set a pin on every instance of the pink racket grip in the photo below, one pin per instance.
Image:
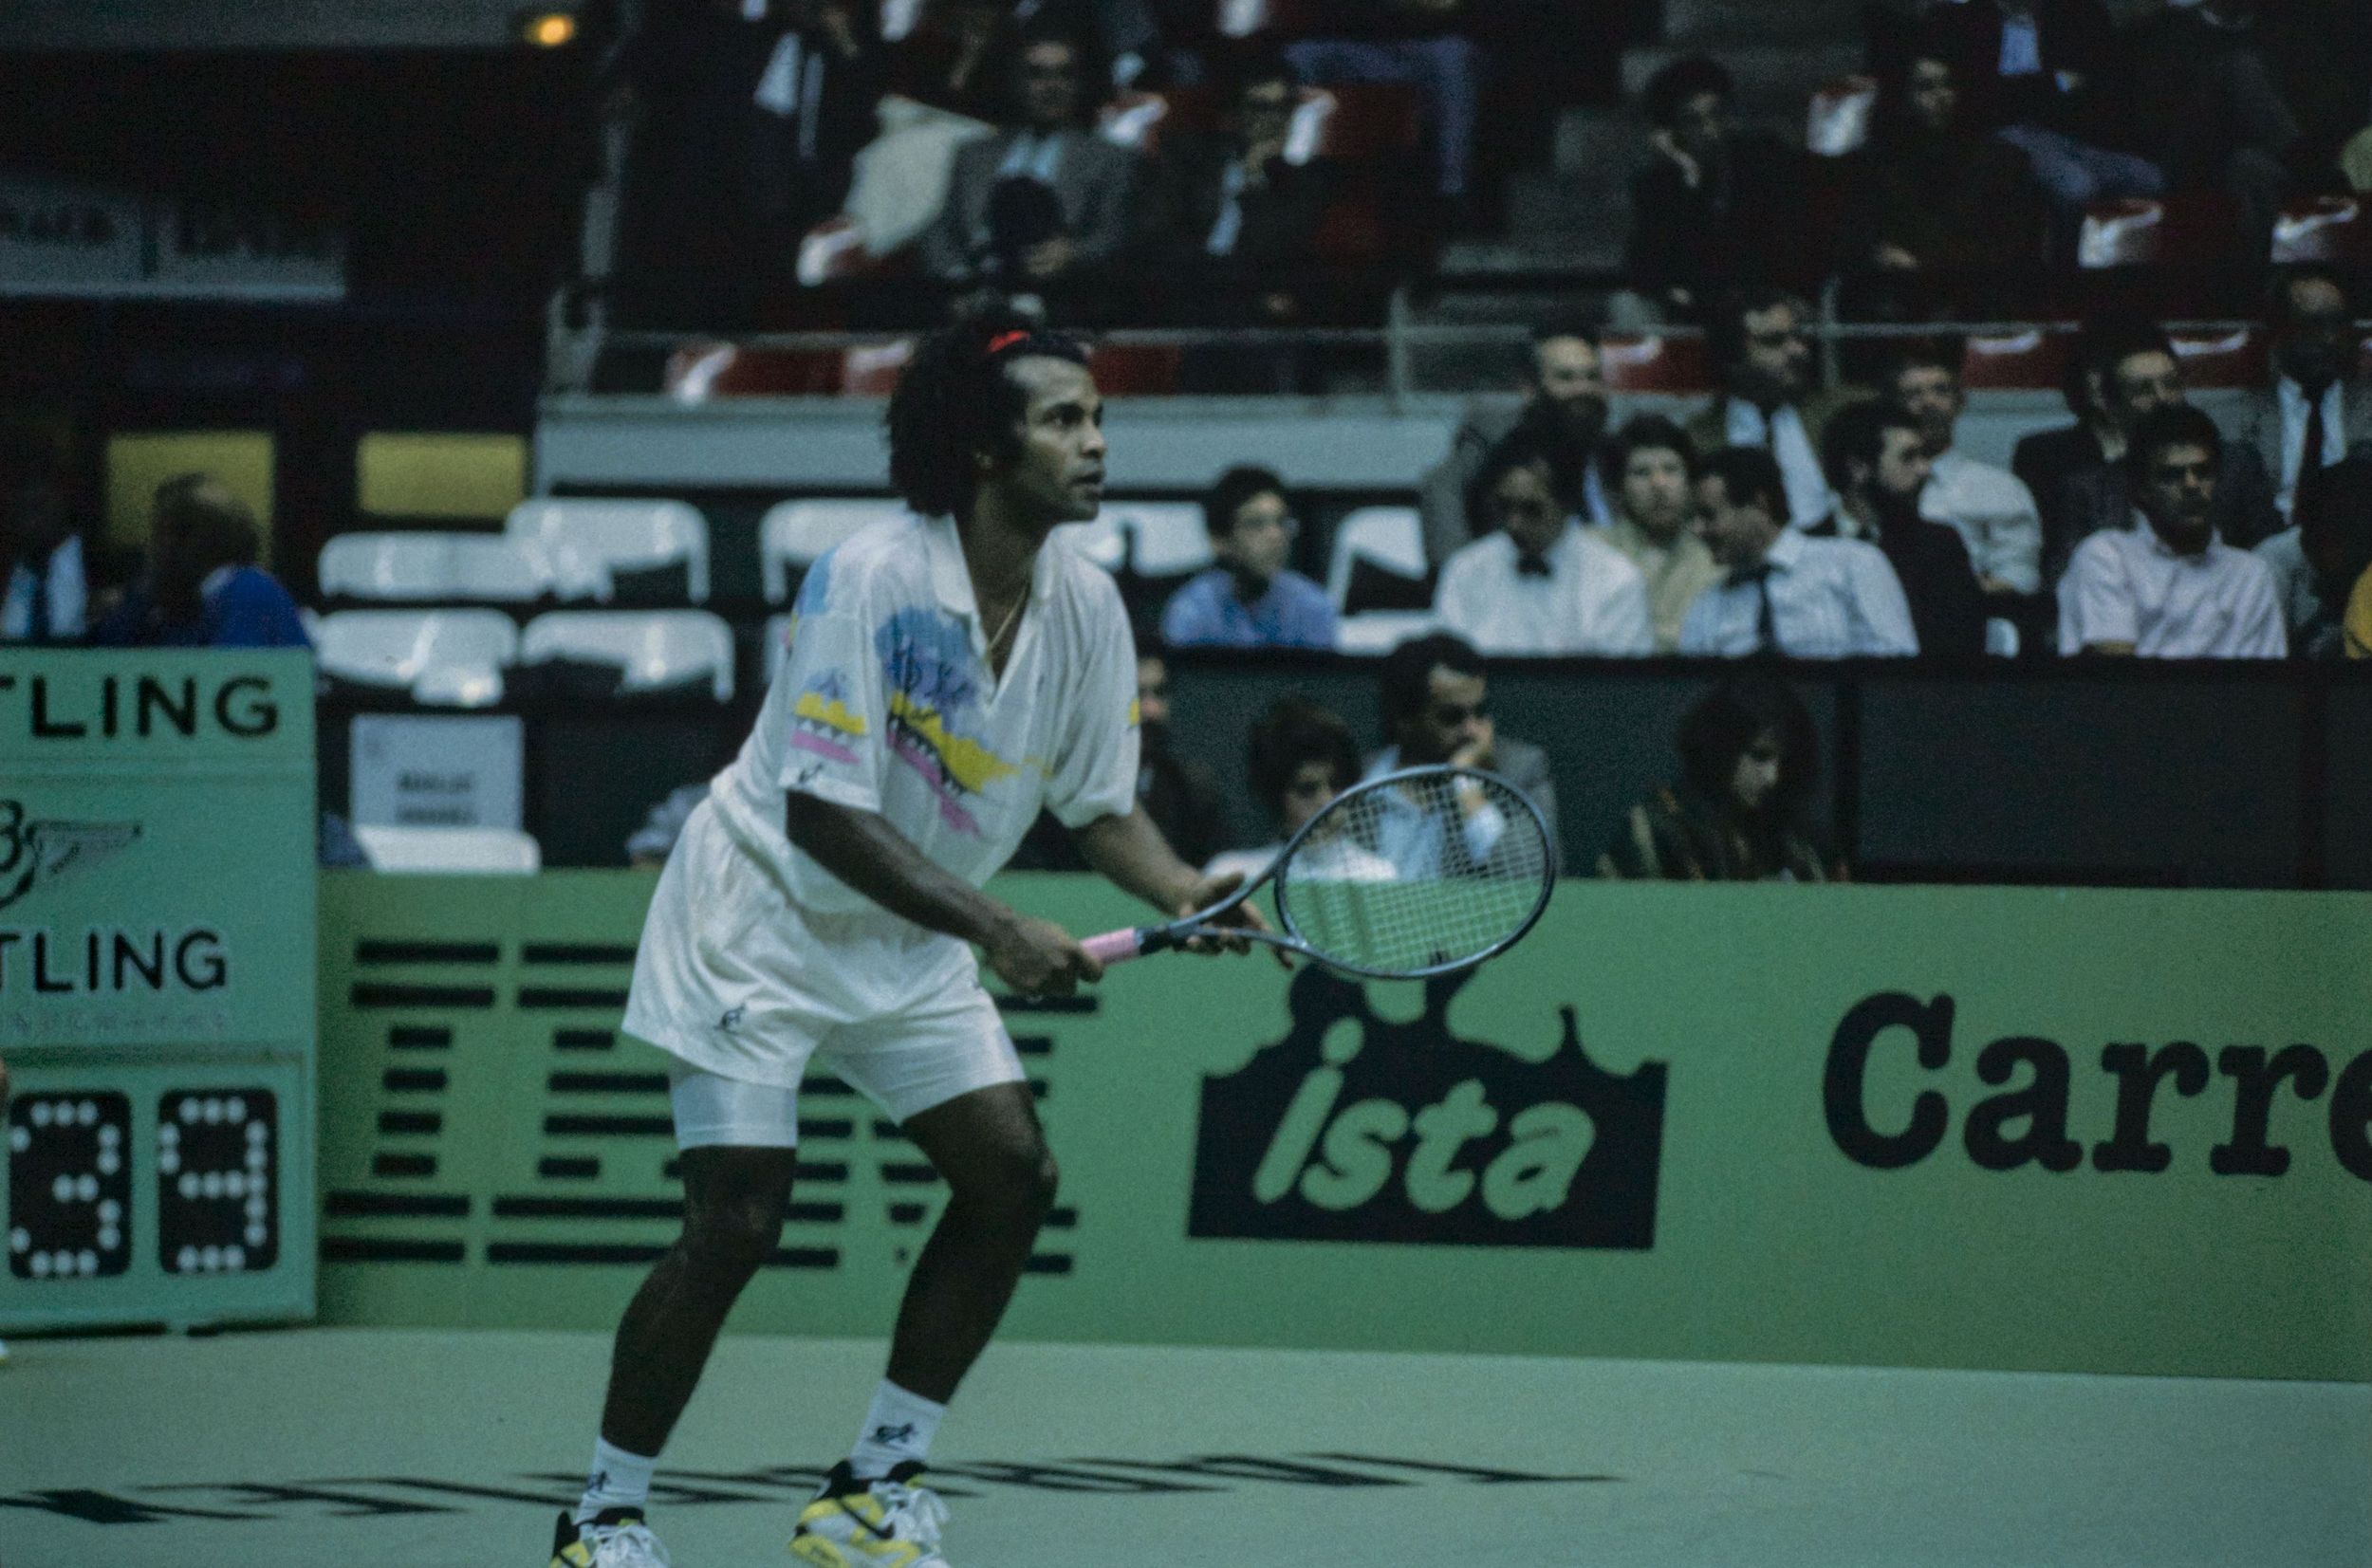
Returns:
(1116, 946)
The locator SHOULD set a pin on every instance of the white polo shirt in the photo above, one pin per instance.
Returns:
(1592, 600)
(2126, 586)
(886, 704)
(1995, 514)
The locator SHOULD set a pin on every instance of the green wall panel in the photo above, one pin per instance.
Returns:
(1633, 1135)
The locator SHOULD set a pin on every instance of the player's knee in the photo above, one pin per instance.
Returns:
(1020, 1177)
(726, 1243)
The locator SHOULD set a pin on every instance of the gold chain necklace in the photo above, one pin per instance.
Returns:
(1011, 617)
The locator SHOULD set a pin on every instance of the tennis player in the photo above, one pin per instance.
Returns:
(950, 672)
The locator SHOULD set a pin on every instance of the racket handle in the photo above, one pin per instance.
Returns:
(1116, 946)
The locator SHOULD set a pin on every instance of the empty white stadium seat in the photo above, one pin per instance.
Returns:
(793, 533)
(628, 535)
(499, 851)
(655, 648)
(1169, 538)
(1379, 631)
(492, 568)
(1388, 536)
(452, 658)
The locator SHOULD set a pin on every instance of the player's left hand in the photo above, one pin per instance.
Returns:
(1208, 890)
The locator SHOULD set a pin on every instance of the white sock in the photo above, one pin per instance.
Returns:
(617, 1480)
(898, 1427)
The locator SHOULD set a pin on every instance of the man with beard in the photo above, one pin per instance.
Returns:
(1564, 410)
(2319, 409)
(2167, 587)
(1877, 461)
(1769, 399)
(1989, 507)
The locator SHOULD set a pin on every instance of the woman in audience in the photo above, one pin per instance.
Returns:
(1301, 757)
(1749, 764)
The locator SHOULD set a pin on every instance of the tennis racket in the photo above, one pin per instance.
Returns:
(1422, 872)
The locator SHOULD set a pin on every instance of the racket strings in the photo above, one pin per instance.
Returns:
(1416, 874)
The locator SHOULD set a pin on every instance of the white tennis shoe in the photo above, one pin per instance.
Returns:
(615, 1538)
(891, 1522)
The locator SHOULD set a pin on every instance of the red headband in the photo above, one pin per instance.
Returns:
(1003, 340)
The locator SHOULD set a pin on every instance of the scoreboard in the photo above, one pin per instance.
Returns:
(156, 985)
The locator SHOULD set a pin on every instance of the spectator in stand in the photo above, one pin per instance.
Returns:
(2319, 409)
(2040, 74)
(1180, 794)
(203, 588)
(1749, 764)
(948, 82)
(2207, 111)
(1989, 507)
(1427, 44)
(1540, 583)
(2316, 561)
(1935, 210)
(1436, 696)
(1715, 207)
(1562, 408)
(1244, 221)
(815, 102)
(1785, 594)
(1647, 463)
(1300, 757)
(1878, 465)
(1765, 357)
(1046, 205)
(1125, 33)
(44, 596)
(1251, 599)
(2166, 587)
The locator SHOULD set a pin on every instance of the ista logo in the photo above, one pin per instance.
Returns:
(1354, 1128)
(35, 852)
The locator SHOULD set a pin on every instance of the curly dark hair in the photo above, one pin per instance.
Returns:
(1295, 732)
(1728, 719)
(958, 397)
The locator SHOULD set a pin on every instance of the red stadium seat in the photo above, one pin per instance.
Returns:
(2324, 229)
(2034, 359)
(1354, 123)
(1655, 363)
(2220, 358)
(872, 369)
(1839, 120)
(2192, 230)
(703, 371)
(1133, 370)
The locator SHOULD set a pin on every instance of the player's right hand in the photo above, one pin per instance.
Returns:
(1039, 958)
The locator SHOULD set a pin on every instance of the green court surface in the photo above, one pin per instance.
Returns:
(439, 1449)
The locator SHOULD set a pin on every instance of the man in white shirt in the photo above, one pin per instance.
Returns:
(1768, 398)
(44, 597)
(2168, 587)
(1647, 467)
(2319, 410)
(1992, 510)
(1785, 594)
(1540, 583)
(950, 672)
(1563, 384)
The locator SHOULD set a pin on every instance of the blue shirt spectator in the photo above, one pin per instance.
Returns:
(1249, 599)
(204, 589)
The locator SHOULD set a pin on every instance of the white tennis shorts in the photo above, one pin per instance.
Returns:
(746, 990)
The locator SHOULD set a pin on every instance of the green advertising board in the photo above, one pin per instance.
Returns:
(2103, 1130)
(157, 974)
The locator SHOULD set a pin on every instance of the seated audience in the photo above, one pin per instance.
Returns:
(1717, 205)
(1428, 45)
(1785, 594)
(1436, 697)
(2166, 587)
(1769, 401)
(44, 596)
(1935, 210)
(1126, 34)
(814, 100)
(1046, 205)
(1251, 599)
(1878, 465)
(1300, 757)
(2207, 111)
(2319, 409)
(2042, 75)
(2315, 562)
(947, 85)
(1562, 391)
(1540, 583)
(1989, 507)
(1647, 463)
(1750, 762)
(203, 588)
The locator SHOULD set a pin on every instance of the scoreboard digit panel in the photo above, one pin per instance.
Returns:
(69, 1184)
(216, 1155)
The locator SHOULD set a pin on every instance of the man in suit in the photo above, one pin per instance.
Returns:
(2317, 412)
(1436, 709)
(1768, 398)
(1564, 409)
(1047, 205)
(1877, 463)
